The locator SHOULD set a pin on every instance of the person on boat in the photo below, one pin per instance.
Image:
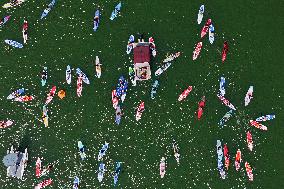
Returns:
(124, 87)
(3, 124)
(140, 109)
(17, 94)
(76, 185)
(25, 31)
(141, 38)
(98, 70)
(44, 116)
(25, 36)
(79, 87)
(25, 25)
(144, 75)
(44, 75)
(201, 104)
(176, 151)
(116, 11)
(238, 155)
(14, 2)
(47, 9)
(50, 166)
(82, 149)
(152, 43)
(131, 72)
(118, 114)
(96, 19)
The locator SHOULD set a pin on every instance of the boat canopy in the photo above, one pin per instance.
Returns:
(142, 55)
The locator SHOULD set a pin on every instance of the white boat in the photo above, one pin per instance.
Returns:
(68, 75)
(211, 33)
(200, 14)
(139, 111)
(129, 48)
(176, 151)
(48, 9)
(96, 20)
(79, 86)
(81, 148)
(45, 116)
(163, 68)
(163, 167)
(220, 159)
(197, 50)
(265, 118)
(226, 117)
(102, 151)
(101, 172)
(44, 76)
(154, 89)
(222, 86)
(76, 183)
(116, 11)
(248, 96)
(98, 67)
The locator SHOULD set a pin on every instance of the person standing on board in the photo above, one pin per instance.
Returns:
(25, 31)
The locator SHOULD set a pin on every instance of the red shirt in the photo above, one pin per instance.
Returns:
(25, 26)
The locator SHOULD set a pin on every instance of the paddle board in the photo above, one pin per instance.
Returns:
(14, 43)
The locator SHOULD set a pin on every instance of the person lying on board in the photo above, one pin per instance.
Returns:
(119, 113)
(47, 9)
(96, 19)
(14, 2)
(3, 124)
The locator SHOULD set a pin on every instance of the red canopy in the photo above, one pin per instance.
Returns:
(141, 54)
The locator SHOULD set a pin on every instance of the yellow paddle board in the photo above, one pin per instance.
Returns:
(8, 5)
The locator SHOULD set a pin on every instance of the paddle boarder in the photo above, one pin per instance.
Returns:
(14, 2)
